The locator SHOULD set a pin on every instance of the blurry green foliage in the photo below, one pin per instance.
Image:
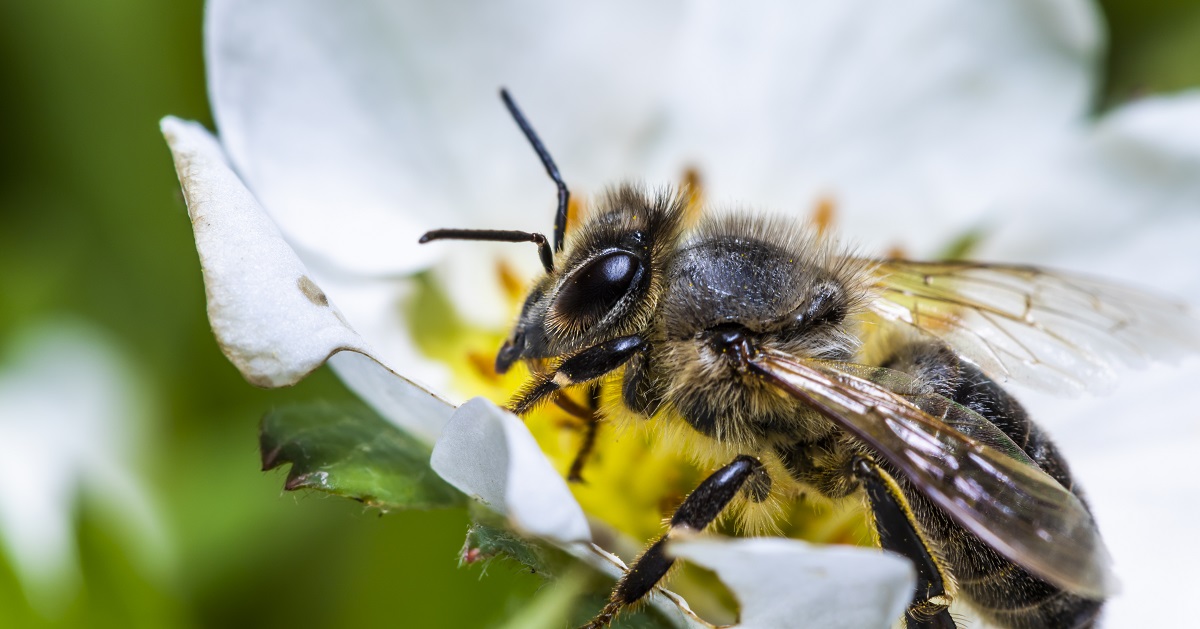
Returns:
(92, 223)
(1154, 47)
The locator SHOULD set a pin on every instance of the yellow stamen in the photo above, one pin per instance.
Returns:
(823, 214)
(484, 366)
(576, 212)
(692, 187)
(510, 281)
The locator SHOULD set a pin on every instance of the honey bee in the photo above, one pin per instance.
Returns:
(823, 371)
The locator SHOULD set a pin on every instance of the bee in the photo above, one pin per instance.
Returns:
(828, 372)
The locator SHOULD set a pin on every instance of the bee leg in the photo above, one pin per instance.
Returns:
(698, 510)
(591, 425)
(899, 533)
(588, 364)
(641, 390)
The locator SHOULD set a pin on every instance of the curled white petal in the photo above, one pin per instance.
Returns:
(488, 453)
(783, 583)
(270, 317)
(419, 412)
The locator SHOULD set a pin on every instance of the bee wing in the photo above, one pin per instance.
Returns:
(962, 462)
(1054, 331)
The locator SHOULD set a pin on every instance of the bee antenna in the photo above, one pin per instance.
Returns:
(495, 235)
(560, 217)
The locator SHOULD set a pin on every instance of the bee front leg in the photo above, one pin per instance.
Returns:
(587, 365)
(898, 533)
(591, 418)
(698, 510)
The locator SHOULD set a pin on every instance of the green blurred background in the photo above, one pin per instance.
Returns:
(92, 224)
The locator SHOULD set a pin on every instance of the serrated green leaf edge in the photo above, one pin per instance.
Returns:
(348, 450)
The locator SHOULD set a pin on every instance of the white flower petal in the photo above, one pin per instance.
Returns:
(488, 453)
(1122, 201)
(1133, 453)
(1165, 126)
(69, 406)
(376, 309)
(357, 125)
(468, 274)
(915, 118)
(779, 582)
(911, 116)
(298, 91)
(271, 319)
(419, 412)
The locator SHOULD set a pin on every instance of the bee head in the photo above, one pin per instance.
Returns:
(584, 297)
(606, 285)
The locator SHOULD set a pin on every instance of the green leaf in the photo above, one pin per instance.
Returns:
(349, 450)
(485, 541)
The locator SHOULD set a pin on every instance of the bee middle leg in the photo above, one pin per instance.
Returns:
(899, 533)
(698, 510)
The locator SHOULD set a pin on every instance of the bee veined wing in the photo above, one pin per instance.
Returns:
(1049, 330)
(962, 462)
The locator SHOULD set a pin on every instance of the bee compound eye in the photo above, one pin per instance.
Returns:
(592, 290)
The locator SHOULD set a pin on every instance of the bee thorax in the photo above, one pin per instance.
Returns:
(713, 389)
(733, 343)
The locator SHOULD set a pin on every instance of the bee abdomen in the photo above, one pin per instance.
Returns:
(1006, 594)
(1003, 592)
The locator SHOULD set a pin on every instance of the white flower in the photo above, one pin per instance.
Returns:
(346, 130)
(69, 412)
(277, 326)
